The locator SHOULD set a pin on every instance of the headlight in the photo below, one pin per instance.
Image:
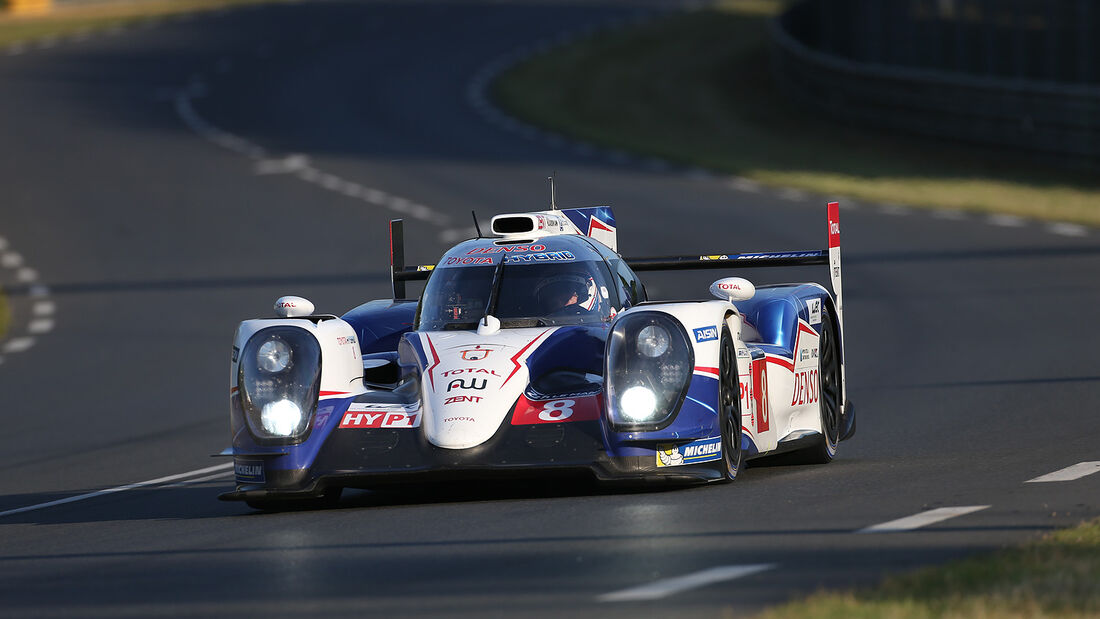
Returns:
(653, 341)
(273, 356)
(638, 403)
(278, 376)
(280, 418)
(649, 364)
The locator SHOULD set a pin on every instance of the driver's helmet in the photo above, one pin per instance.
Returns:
(556, 293)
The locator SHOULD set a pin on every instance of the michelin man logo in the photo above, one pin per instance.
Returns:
(669, 455)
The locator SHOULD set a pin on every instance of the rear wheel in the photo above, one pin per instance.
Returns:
(828, 364)
(729, 402)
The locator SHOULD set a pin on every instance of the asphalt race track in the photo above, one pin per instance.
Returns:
(160, 184)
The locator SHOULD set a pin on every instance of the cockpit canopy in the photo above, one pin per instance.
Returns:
(552, 281)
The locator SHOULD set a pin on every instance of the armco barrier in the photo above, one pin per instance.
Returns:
(1063, 119)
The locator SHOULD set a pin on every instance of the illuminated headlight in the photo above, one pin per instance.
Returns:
(653, 341)
(280, 418)
(278, 377)
(649, 362)
(638, 404)
(273, 356)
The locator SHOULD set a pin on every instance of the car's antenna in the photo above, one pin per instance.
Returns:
(553, 205)
(476, 227)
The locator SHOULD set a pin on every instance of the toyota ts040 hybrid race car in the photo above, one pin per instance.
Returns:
(537, 350)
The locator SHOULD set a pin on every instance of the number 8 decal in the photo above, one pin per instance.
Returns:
(557, 410)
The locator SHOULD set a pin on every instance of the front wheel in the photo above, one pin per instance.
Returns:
(729, 402)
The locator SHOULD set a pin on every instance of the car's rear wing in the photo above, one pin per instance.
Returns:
(401, 273)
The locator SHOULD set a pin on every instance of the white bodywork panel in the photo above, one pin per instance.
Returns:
(342, 362)
(471, 381)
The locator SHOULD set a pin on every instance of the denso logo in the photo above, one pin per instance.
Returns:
(506, 249)
(706, 334)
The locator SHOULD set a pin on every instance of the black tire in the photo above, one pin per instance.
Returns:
(330, 498)
(828, 366)
(729, 403)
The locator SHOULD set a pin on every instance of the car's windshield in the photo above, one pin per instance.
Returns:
(531, 295)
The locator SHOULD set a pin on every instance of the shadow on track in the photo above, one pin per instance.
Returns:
(198, 501)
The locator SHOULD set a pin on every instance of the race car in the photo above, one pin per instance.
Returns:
(536, 350)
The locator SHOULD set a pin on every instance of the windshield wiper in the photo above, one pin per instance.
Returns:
(494, 296)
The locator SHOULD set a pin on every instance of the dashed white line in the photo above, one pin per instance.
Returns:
(26, 275)
(40, 326)
(894, 209)
(11, 260)
(44, 308)
(1007, 221)
(17, 344)
(949, 214)
(284, 165)
(1067, 229)
(794, 195)
(743, 184)
(1070, 473)
(922, 519)
(140, 484)
(670, 586)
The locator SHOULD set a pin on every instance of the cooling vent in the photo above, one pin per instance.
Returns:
(514, 224)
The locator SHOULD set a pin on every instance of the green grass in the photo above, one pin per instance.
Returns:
(696, 88)
(77, 19)
(1057, 576)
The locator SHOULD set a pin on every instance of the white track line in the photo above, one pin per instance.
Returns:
(1070, 473)
(1067, 229)
(922, 519)
(669, 586)
(140, 484)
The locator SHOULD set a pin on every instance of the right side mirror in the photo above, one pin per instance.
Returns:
(733, 289)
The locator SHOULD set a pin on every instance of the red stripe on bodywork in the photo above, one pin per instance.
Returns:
(435, 356)
(780, 361)
(705, 370)
(515, 358)
(324, 394)
(804, 328)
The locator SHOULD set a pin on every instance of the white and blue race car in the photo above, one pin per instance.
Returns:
(536, 350)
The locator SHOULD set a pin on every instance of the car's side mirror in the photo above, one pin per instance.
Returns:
(733, 289)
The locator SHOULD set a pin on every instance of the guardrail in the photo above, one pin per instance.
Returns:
(1052, 117)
